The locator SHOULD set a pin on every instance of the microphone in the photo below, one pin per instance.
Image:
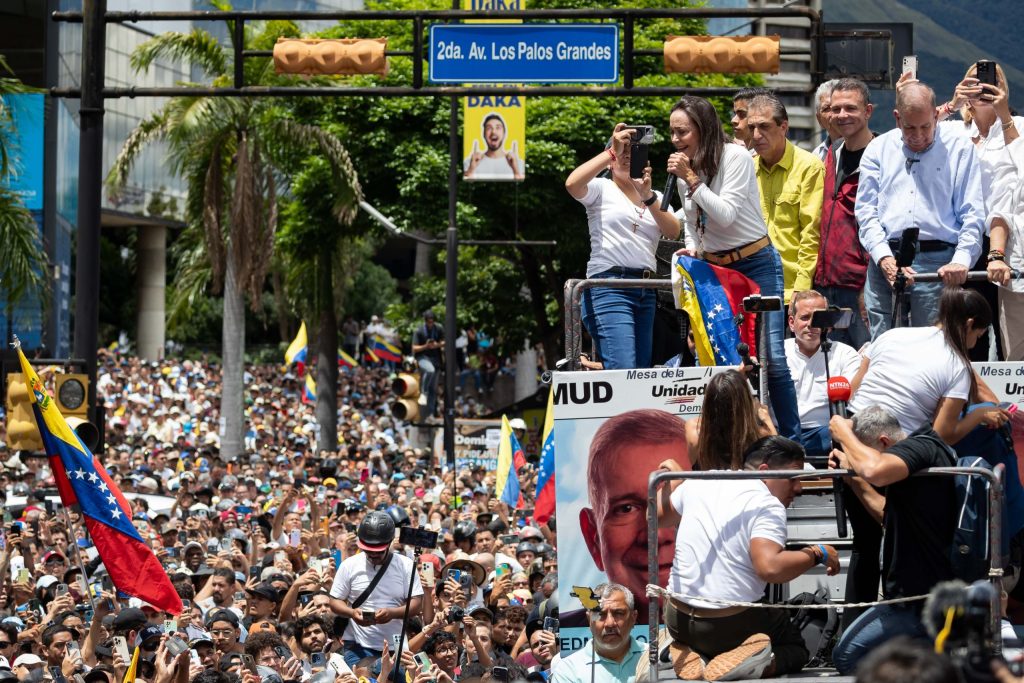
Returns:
(670, 190)
(839, 390)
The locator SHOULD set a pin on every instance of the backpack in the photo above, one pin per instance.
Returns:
(969, 553)
(817, 626)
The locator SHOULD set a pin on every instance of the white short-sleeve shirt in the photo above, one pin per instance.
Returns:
(354, 575)
(613, 240)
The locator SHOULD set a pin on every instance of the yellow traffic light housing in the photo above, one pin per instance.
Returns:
(722, 54)
(72, 393)
(407, 388)
(331, 56)
(22, 432)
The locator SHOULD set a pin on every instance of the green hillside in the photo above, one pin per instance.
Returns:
(949, 35)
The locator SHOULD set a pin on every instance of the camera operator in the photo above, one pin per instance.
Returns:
(626, 222)
(919, 520)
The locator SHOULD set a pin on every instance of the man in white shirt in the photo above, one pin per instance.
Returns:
(807, 366)
(378, 617)
(730, 553)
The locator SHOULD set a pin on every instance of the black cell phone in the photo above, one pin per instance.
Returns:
(305, 598)
(318, 659)
(642, 137)
(832, 318)
(755, 303)
(986, 72)
(499, 673)
(249, 663)
(172, 551)
(283, 652)
(421, 538)
(182, 537)
(254, 572)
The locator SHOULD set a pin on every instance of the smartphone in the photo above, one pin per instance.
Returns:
(508, 539)
(428, 573)
(910, 65)
(499, 673)
(315, 563)
(1009, 407)
(318, 660)
(368, 615)
(642, 137)
(501, 570)
(121, 647)
(186, 605)
(23, 576)
(283, 652)
(295, 537)
(455, 575)
(57, 675)
(175, 645)
(305, 598)
(250, 664)
(172, 551)
(254, 572)
(194, 658)
(226, 544)
(212, 545)
(986, 72)
(551, 624)
(394, 642)
(239, 596)
(466, 581)
(423, 661)
(170, 626)
(72, 646)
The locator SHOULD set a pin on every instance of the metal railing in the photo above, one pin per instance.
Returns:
(995, 496)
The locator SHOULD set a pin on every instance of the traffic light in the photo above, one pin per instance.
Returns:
(722, 54)
(22, 432)
(407, 388)
(72, 392)
(331, 56)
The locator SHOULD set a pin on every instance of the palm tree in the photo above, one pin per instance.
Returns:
(22, 258)
(234, 154)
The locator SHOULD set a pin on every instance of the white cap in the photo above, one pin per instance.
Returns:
(46, 581)
(27, 660)
(517, 423)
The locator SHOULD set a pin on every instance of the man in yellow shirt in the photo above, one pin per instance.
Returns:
(790, 181)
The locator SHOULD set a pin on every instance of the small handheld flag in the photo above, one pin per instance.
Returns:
(297, 350)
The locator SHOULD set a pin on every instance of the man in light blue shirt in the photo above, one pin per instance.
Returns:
(920, 176)
(612, 654)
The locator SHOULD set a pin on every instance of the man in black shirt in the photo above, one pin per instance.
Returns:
(919, 520)
(427, 343)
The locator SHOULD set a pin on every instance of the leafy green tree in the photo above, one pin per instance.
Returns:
(22, 258)
(400, 148)
(234, 154)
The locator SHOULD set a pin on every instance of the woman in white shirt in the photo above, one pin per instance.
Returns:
(626, 222)
(723, 225)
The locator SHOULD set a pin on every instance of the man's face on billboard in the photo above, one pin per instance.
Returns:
(494, 134)
(615, 528)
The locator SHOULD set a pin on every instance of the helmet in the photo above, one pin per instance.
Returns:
(525, 547)
(464, 531)
(543, 550)
(398, 514)
(376, 531)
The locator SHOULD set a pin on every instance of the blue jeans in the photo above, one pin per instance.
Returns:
(428, 384)
(765, 268)
(842, 297)
(879, 624)
(924, 297)
(621, 323)
(817, 442)
(353, 652)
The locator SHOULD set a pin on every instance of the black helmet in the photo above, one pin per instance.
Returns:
(525, 547)
(398, 514)
(376, 531)
(464, 531)
(543, 550)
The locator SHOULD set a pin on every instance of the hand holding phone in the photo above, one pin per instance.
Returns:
(910, 66)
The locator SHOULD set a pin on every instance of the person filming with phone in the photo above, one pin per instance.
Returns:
(370, 590)
(626, 222)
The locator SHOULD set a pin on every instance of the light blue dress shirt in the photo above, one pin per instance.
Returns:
(938, 191)
(576, 668)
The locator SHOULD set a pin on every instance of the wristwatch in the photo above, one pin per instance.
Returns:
(650, 200)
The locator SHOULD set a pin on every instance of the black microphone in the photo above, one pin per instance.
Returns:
(670, 190)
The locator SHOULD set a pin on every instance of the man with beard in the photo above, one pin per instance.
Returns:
(612, 654)
(623, 453)
(312, 635)
(495, 163)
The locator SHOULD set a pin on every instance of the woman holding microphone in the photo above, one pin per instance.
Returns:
(723, 224)
(626, 222)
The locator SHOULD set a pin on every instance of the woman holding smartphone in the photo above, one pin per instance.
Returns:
(724, 225)
(625, 222)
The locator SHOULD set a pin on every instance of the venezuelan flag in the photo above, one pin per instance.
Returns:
(370, 356)
(83, 483)
(544, 507)
(510, 459)
(385, 351)
(345, 360)
(713, 299)
(309, 391)
(297, 350)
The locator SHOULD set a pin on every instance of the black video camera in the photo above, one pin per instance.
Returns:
(417, 536)
(832, 318)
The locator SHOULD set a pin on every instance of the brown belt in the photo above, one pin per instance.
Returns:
(725, 258)
(704, 613)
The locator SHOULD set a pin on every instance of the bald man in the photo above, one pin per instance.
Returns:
(918, 175)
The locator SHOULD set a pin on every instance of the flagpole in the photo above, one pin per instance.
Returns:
(78, 557)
